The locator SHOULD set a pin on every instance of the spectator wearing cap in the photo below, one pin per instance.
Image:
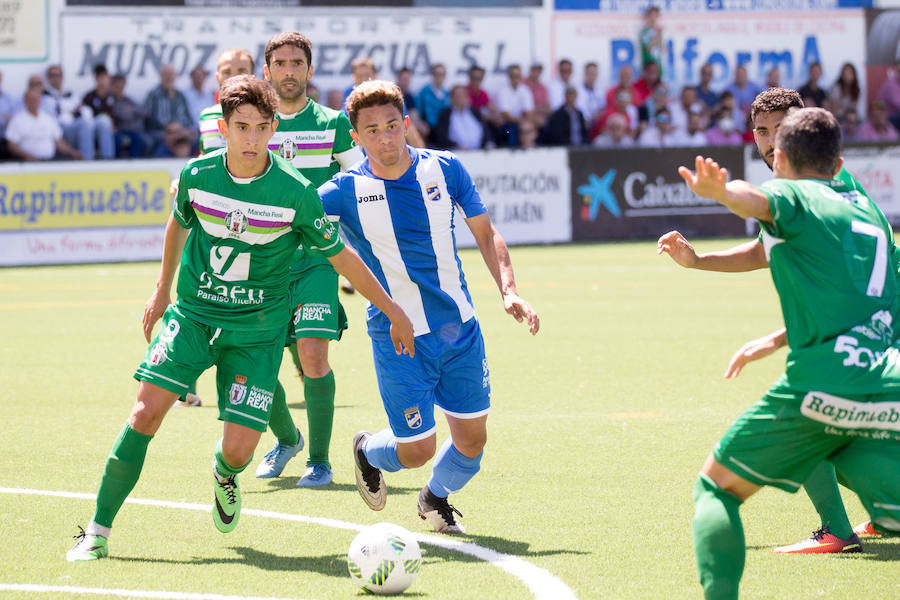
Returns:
(197, 95)
(876, 127)
(615, 134)
(539, 92)
(566, 126)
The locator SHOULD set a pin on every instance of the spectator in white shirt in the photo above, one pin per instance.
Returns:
(661, 134)
(615, 134)
(515, 102)
(75, 119)
(694, 135)
(33, 134)
(591, 99)
(557, 88)
(460, 126)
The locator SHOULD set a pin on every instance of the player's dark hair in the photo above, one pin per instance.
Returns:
(373, 93)
(100, 69)
(811, 139)
(247, 89)
(237, 52)
(289, 38)
(777, 99)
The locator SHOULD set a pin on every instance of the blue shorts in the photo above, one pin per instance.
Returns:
(449, 370)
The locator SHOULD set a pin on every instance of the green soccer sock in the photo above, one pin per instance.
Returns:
(224, 469)
(319, 396)
(718, 540)
(280, 421)
(822, 488)
(123, 468)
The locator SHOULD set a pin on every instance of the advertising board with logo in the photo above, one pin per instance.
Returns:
(639, 194)
(137, 42)
(526, 193)
(84, 212)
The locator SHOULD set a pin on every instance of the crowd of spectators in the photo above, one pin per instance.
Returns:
(523, 111)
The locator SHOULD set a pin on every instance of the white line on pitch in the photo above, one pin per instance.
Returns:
(71, 589)
(542, 583)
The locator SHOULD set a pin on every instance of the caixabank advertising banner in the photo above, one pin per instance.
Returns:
(639, 194)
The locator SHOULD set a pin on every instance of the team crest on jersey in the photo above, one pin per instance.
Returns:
(433, 191)
(287, 149)
(236, 221)
(238, 393)
(413, 417)
(158, 354)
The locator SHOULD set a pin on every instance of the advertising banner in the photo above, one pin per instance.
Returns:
(639, 194)
(23, 30)
(526, 193)
(80, 212)
(760, 41)
(137, 43)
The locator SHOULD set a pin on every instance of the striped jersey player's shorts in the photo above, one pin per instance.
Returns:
(449, 370)
(779, 441)
(247, 365)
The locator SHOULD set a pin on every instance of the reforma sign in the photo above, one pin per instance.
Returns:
(137, 42)
(526, 193)
(639, 194)
(81, 212)
(757, 40)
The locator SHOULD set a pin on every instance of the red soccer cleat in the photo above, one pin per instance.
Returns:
(822, 541)
(867, 529)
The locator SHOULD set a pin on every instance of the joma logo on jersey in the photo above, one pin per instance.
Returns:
(433, 191)
(370, 198)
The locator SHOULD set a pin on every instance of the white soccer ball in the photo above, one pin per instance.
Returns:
(384, 559)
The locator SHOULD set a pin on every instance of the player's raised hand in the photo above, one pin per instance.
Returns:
(153, 311)
(676, 245)
(403, 334)
(708, 180)
(521, 311)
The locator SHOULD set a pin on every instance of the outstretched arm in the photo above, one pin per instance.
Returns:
(173, 244)
(711, 181)
(743, 257)
(350, 265)
(754, 350)
(496, 257)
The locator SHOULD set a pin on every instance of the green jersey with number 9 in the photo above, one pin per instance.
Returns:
(235, 266)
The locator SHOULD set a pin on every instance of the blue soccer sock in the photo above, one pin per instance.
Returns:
(381, 451)
(452, 470)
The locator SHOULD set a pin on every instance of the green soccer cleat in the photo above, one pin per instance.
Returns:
(88, 547)
(227, 509)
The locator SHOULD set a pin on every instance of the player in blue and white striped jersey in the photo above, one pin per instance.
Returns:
(397, 209)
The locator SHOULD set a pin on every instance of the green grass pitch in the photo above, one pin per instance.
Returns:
(598, 427)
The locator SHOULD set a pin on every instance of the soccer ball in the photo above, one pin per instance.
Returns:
(384, 559)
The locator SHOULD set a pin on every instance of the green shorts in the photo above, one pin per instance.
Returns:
(779, 441)
(247, 365)
(317, 311)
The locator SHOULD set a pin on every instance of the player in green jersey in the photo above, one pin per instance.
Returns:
(829, 251)
(231, 62)
(239, 216)
(316, 140)
(835, 534)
